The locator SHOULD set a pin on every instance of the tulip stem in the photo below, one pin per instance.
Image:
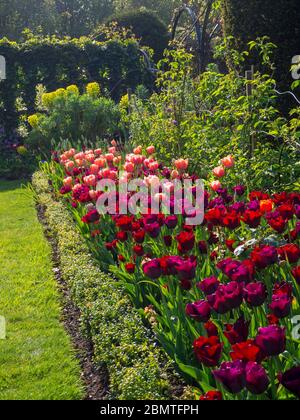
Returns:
(272, 378)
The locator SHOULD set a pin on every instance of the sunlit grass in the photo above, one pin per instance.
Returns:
(36, 359)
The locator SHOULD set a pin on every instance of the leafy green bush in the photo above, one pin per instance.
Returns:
(147, 27)
(115, 64)
(208, 117)
(137, 369)
(72, 117)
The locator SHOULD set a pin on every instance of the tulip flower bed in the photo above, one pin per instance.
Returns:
(223, 296)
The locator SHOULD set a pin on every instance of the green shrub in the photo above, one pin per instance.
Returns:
(147, 27)
(136, 366)
(246, 20)
(208, 117)
(69, 116)
(115, 64)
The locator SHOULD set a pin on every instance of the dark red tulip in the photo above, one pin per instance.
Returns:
(208, 350)
(289, 252)
(209, 285)
(232, 376)
(264, 256)
(237, 332)
(212, 396)
(255, 294)
(246, 351)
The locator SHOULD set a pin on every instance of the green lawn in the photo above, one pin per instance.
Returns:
(36, 359)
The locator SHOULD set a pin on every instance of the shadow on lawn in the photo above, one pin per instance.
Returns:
(13, 185)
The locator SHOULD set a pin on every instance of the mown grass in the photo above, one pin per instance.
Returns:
(36, 359)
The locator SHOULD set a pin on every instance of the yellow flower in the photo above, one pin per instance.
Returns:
(48, 98)
(93, 89)
(124, 102)
(60, 93)
(21, 150)
(33, 120)
(73, 89)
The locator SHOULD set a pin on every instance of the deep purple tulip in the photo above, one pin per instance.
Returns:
(232, 376)
(186, 269)
(271, 340)
(153, 229)
(152, 269)
(227, 297)
(257, 380)
(281, 306)
(239, 189)
(171, 222)
(238, 332)
(291, 380)
(209, 285)
(255, 294)
(200, 311)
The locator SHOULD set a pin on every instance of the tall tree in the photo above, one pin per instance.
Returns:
(246, 20)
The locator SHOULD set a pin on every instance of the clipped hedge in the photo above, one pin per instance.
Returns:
(57, 63)
(138, 369)
(147, 27)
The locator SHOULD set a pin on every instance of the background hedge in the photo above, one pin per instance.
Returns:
(138, 370)
(147, 27)
(57, 63)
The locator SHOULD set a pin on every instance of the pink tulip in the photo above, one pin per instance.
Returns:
(174, 174)
(93, 195)
(100, 162)
(215, 185)
(150, 150)
(68, 181)
(168, 187)
(129, 167)
(79, 156)
(90, 157)
(112, 150)
(116, 161)
(63, 158)
(98, 152)
(69, 165)
(138, 150)
(152, 180)
(79, 162)
(90, 180)
(219, 171)
(153, 166)
(114, 143)
(137, 160)
(109, 157)
(181, 164)
(228, 161)
(94, 169)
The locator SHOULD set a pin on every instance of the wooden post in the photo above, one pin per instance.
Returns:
(249, 75)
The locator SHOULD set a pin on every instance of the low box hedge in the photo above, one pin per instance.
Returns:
(137, 367)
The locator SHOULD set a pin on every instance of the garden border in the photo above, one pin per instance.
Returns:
(137, 368)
